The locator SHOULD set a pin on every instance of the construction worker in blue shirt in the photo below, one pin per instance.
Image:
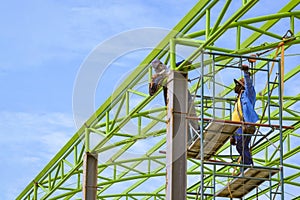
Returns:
(244, 112)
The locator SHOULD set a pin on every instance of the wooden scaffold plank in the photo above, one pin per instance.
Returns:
(216, 135)
(244, 184)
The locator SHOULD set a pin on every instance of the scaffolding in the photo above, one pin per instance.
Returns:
(215, 112)
(201, 28)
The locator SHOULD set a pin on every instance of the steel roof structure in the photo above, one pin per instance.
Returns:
(128, 131)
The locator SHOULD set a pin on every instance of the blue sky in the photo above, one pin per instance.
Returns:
(43, 45)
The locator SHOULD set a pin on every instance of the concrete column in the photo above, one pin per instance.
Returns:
(90, 172)
(176, 137)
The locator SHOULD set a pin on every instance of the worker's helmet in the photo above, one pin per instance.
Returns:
(158, 66)
(240, 82)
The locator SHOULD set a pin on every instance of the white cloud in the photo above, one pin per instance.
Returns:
(38, 127)
(35, 33)
(55, 141)
(39, 34)
(30, 140)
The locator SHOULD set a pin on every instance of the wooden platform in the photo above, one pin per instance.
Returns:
(241, 186)
(216, 135)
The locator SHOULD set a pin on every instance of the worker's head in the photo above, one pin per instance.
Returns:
(158, 66)
(239, 85)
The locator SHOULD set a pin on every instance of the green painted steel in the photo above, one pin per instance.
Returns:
(127, 173)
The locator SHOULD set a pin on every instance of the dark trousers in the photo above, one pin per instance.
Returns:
(242, 146)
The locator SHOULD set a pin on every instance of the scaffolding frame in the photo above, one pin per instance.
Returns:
(52, 182)
(205, 77)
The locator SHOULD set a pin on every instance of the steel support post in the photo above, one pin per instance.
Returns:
(176, 137)
(90, 169)
(280, 91)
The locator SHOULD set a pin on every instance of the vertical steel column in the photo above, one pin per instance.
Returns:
(269, 94)
(90, 172)
(280, 128)
(176, 180)
(214, 182)
(202, 129)
(213, 77)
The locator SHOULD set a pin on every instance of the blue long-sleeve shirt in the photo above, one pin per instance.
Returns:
(248, 99)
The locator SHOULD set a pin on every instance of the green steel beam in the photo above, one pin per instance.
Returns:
(134, 164)
(52, 165)
(221, 16)
(132, 195)
(131, 160)
(285, 157)
(150, 152)
(284, 13)
(131, 140)
(286, 180)
(274, 139)
(262, 31)
(68, 161)
(219, 32)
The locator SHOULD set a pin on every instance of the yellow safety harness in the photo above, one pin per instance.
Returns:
(237, 114)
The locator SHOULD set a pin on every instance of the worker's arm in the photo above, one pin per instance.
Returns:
(248, 80)
(156, 82)
(249, 88)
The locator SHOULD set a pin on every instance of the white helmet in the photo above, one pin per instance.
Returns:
(158, 66)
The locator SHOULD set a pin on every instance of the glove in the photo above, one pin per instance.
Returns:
(245, 68)
(153, 87)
